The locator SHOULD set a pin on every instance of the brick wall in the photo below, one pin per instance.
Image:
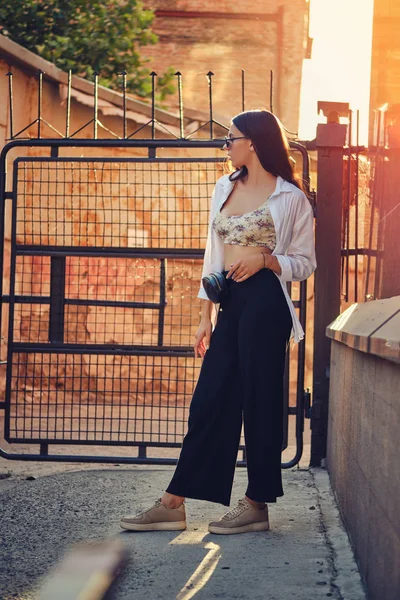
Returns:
(228, 38)
(385, 66)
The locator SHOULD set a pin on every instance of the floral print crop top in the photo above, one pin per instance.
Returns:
(255, 228)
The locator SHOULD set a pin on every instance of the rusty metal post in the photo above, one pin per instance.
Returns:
(96, 104)
(330, 142)
(125, 128)
(243, 104)
(68, 109)
(153, 104)
(11, 103)
(180, 101)
(210, 74)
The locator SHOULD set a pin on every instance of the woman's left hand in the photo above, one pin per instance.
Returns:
(246, 267)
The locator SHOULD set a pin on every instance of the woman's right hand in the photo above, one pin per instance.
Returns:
(202, 338)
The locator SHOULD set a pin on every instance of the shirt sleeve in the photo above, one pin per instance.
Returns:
(207, 263)
(299, 260)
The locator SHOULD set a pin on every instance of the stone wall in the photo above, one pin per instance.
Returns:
(363, 430)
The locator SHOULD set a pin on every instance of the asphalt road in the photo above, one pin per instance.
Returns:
(305, 555)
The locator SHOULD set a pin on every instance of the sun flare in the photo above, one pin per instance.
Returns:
(340, 67)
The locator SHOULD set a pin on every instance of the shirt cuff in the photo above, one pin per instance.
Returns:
(286, 267)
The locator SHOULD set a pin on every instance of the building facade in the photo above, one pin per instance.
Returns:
(196, 37)
(385, 65)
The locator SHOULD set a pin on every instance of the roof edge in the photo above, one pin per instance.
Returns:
(33, 62)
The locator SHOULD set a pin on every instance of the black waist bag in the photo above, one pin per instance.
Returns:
(215, 286)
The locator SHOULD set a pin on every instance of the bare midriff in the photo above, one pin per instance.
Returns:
(235, 252)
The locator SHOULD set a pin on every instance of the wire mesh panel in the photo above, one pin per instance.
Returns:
(105, 258)
(81, 398)
(105, 269)
(149, 203)
(107, 300)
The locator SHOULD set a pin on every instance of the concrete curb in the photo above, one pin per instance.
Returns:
(345, 576)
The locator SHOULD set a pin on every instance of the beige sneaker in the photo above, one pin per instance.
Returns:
(156, 518)
(244, 517)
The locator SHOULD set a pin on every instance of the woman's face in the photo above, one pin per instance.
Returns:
(239, 150)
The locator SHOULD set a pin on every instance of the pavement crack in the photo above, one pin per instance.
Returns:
(332, 555)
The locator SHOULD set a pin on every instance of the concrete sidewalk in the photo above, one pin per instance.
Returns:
(305, 555)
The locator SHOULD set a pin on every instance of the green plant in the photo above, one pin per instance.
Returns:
(88, 37)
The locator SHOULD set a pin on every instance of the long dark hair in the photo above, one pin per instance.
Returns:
(270, 144)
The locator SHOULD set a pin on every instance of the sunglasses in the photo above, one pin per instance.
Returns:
(229, 140)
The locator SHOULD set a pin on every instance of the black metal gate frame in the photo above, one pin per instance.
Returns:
(300, 411)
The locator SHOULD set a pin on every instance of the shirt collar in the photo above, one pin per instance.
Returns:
(281, 186)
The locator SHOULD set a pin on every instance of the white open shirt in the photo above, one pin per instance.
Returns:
(293, 220)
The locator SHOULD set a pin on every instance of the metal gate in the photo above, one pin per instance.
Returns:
(104, 263)
(356, 235)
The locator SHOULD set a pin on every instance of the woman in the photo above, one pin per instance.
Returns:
(261, 236)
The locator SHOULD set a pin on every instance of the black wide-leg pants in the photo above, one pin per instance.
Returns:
(241, 378)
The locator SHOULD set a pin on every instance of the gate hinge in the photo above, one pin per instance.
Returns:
(2, 406)
(307, 404)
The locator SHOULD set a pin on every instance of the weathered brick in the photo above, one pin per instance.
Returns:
(196, 44)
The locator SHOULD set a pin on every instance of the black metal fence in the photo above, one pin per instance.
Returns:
(101, 266)
(366, 200)
(356, 236)
(105, 267)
